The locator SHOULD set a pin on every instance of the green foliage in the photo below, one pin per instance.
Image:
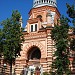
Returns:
(60, 36)
(72, 44)
(1, 42)
(45, 73)
(12, 37)
(71, 11)
(71, 14)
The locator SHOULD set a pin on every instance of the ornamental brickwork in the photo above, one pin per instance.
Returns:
(38, 47)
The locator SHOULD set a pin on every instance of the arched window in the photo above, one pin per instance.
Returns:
(51, 2)
(37, 2)
(33, 27)
(39, 16)
(34, 53)
(42, 1)
(47, 1)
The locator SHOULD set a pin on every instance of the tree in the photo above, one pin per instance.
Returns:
(12, 38)
(60, 36)
(1, 45)
(1, 42)
(71, 14)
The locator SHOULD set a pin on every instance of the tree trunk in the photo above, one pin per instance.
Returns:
(11, 67)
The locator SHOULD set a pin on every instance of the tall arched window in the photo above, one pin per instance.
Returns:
(37, 2)
(42, 1)
(35, 27)
(47, 1)
(31, 28)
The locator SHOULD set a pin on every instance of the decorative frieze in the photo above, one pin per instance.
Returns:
(35, 35)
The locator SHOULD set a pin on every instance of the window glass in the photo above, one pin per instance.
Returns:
(31, 28)
(35, 27)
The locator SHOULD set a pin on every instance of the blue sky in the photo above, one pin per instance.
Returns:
(24, 6)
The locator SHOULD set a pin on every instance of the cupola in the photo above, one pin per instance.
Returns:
(39, 3)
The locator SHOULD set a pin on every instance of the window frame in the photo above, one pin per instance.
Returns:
(35, 27)
(31, 28)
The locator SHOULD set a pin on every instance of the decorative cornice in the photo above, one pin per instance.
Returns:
(34, 20)
(44, 8)
(35, 35)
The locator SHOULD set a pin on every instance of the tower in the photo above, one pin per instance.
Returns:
(38, 47)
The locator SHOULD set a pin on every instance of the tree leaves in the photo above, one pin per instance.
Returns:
(11, 37)
(1, 42)
(60, 36)
(71, 13)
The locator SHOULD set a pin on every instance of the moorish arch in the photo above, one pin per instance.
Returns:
(37, 45)
(34, 53)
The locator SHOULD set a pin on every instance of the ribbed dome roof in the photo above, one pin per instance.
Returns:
(39, 3)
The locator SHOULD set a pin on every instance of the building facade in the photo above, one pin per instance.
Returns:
(38, 47)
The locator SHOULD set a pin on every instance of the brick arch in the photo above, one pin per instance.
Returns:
(39, 16)
(37, 44)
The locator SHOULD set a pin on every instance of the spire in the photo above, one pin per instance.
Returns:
(39, 3)
(20, 21)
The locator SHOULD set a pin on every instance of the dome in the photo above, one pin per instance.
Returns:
(39, 3)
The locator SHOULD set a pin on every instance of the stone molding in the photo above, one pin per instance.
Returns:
(37, 44)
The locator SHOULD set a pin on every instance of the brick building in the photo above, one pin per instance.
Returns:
(38, 46)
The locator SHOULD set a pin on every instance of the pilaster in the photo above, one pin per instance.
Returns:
(43, 62)
(20, 63)
(49, 49)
